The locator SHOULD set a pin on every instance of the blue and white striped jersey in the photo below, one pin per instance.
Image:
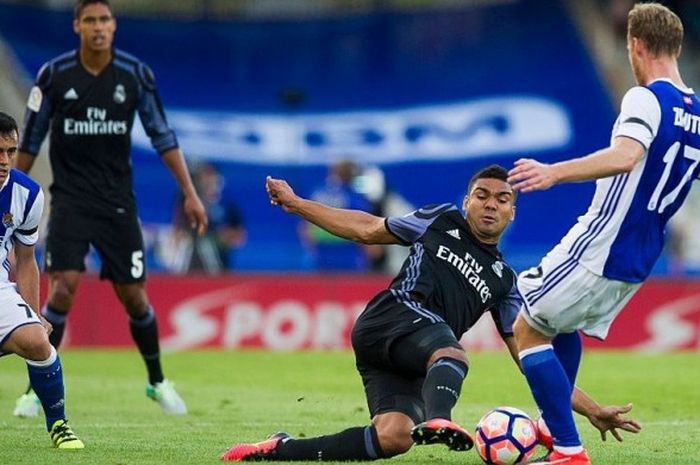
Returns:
(623, 232)
(21, 205)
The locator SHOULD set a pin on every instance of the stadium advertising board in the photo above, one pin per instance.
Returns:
(483, 127)
(317, 312)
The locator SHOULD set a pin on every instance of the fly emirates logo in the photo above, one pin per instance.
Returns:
(96, 124)
(469, 267)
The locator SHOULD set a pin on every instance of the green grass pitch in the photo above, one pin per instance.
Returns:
(243, 396)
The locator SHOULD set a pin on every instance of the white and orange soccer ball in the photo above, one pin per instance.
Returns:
(543, 434)
(506, 436)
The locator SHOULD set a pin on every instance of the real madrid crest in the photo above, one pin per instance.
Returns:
(119, 94)
(498, 268)
(7, 219)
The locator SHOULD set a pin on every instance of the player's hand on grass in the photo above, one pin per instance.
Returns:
(612, 418)
(196, 213)
(530, 175)
(280, 192)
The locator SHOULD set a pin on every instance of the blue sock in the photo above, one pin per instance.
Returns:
(47, 381)
(568, 348)
(552, 391)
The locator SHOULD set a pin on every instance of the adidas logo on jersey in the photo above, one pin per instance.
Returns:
(71, 94)
(454, 233)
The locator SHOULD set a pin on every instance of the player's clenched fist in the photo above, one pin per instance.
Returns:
(280, 192)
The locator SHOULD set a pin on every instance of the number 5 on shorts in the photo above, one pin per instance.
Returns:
(137, 264)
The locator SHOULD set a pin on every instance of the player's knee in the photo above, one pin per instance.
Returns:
(456, 353)
(394, 441)
(526, 336)
(135, 304)
(61, 296)
(520, 327)
(517, 324)
(62, 289)
(39, 352)
(31, 342)
(520, 331)
(134, 300)
(394, 434)
(136, 308)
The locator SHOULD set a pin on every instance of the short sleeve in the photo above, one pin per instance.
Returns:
(28, 232)
(410, 227)
(640, 116)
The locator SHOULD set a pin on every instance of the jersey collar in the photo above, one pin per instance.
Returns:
(685, 90)
(7, 180)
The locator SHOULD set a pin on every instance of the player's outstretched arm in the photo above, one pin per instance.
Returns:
(605, 418)
(354, 225)
(621, 157)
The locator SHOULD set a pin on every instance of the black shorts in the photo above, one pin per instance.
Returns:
(117, 239)
(392, 346)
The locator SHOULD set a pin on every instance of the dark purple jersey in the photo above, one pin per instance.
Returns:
(90, 118)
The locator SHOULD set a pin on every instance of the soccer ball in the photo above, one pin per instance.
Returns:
(506, 436)
(543, 434)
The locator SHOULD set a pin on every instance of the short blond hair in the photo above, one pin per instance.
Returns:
(658, 27)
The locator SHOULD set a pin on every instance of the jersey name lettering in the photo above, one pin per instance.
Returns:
(688, 121)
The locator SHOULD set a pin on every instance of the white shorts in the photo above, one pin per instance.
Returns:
(561, 296)
(14, 312)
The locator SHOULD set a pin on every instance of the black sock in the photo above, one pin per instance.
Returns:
(57, 318)
(359, 443)
(442, 386)
(144, 331)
